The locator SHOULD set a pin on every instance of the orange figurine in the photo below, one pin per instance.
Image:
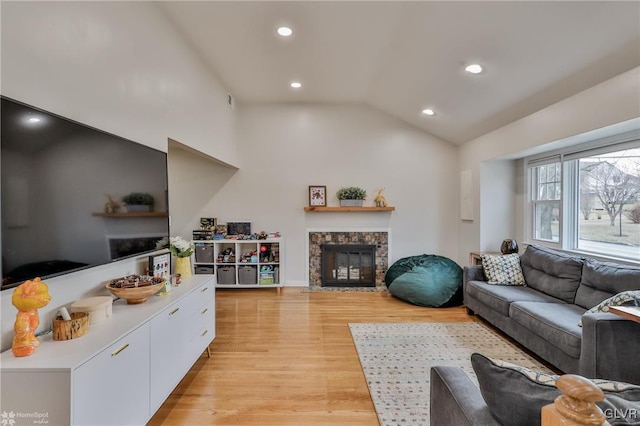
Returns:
(28, 297)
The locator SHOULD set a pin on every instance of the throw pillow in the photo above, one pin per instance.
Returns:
(616, 300)
(516, 395)
(502, 270)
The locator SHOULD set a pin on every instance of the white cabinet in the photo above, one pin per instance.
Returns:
(174, 346)
(119, 377)
(241, 263)
(122, 370)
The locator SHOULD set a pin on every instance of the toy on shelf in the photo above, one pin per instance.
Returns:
(28, 297)
(380, 200)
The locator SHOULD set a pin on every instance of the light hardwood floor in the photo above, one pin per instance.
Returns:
(287, 359)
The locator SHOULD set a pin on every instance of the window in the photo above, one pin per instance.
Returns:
(588, 200)
(609, 194)
(546, 199)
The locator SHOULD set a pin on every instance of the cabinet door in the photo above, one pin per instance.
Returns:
(170, 340)
(112, 388)
(203, 320)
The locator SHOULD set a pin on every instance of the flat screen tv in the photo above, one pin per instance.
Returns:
(57, 179)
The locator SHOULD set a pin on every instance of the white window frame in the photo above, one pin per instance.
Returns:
(534, 201)
(569, 198)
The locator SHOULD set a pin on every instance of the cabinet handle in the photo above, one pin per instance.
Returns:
(120, 349)
(174, 311)
(204, 311)
(204, 289)
(203, 333)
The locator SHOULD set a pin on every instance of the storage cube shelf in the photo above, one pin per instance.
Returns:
(240, 263)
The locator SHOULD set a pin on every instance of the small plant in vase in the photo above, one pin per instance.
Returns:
(351, 196)
(138, 202)
(182, 250)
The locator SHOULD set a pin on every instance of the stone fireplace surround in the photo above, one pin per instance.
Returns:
(380, 237)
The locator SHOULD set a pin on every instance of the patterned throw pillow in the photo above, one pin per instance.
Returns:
(502, 270)
(550, 379)
(515, 395)
(616, 300)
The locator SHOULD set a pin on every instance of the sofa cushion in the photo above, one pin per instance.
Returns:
(502, 270)
(515, 395)
(551, 272)
(499, 298)
(557, 323)
(601, 280)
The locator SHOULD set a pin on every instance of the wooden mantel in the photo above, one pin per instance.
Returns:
(132, 214)
(349, 209)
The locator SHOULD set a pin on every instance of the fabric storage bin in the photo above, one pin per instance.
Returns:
(226, 274)
(204, 252)
(207, 270)
(267, 278)
(247, 275)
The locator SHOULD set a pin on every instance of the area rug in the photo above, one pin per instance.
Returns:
(396, 359)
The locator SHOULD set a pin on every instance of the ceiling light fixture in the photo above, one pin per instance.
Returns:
(428, 111)
(34, 120)
(473, 69)
(285, 31)
(296, 84)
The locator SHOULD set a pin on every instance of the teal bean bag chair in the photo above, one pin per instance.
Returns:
(426, 280)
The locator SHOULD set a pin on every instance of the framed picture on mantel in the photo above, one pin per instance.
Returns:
(317, 196)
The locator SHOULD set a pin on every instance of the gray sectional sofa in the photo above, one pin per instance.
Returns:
(544, 315)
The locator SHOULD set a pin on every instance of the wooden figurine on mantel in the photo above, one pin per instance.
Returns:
(111, 206)
(380, 200)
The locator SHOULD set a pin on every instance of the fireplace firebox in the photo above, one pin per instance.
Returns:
(348, 265)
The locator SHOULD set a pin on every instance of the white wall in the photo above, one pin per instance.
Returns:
(120, 67)
(286, 148)
(195, 179)
(613, 101)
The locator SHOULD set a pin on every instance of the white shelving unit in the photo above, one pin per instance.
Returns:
(240, 263)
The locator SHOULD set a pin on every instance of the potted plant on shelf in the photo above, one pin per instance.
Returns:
(138, 202)
(351, 196)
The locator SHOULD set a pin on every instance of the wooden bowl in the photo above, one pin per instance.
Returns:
(135, 295)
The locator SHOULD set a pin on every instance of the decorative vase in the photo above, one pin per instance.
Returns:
(183, 267)
(509, 246)
(138, 208)
(351, 203)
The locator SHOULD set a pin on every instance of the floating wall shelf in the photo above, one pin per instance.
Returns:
(349, 209)
(133, 214)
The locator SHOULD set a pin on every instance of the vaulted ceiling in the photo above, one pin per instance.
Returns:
(402, 57)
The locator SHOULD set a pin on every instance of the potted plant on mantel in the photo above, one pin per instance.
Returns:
(138, 202)
(351, 196)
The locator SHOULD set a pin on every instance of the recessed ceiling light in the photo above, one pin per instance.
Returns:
(285, 31)
(473, 69)
(34, 120)
(296, 84)
(428, 111)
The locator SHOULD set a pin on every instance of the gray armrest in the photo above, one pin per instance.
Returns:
(473, 273)
(456, 400)
(610, 348)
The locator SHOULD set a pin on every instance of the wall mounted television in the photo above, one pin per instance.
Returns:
(55, 176)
